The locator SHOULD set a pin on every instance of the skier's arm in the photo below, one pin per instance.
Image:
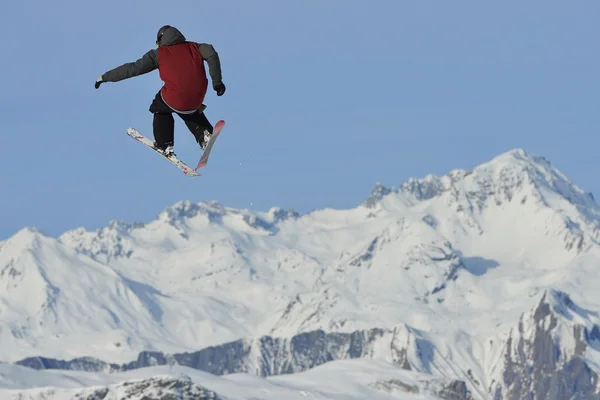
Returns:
(147, 63)
(214, 63)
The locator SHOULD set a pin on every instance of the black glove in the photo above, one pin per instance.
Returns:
(99, 81)
(219, 88)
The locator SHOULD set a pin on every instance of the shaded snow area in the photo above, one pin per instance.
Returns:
(479, 284)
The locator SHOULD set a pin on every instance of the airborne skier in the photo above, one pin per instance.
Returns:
(181, 67)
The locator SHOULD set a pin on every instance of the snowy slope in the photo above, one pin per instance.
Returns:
(340, 380)
(452, 269)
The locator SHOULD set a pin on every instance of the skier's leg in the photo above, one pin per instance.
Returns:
(199, 126)
(164, 128)
(163, 123)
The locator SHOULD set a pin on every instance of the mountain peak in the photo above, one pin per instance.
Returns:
(513, 172)
(25, 239)
(517, 167)
(186, 209)
(518, 155)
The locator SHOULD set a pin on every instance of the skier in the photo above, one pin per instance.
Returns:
(181, 68)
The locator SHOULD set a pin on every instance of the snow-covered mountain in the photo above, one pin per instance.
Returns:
(339, 380)
(485, 280)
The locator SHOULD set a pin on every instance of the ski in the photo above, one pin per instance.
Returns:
(187, 170)
(204, 159)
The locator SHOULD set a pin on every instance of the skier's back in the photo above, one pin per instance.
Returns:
(181, 68)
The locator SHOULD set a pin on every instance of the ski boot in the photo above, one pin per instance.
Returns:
(166, 149)
(206, 138)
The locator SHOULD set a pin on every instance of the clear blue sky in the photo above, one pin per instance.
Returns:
(324, 99)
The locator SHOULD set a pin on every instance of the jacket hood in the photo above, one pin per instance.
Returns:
(172, 36)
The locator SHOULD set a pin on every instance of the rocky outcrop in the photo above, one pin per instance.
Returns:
(159, 388)
(264, 357)
(545, 357)
(454, 390)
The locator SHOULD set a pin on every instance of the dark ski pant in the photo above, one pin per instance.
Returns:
(164, 124)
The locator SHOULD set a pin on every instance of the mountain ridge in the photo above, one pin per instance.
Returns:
(482, 249)
(403, 346)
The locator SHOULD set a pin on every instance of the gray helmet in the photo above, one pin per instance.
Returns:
(160, 33)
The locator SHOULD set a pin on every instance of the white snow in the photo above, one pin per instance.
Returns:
(458, 258)
(339, 380)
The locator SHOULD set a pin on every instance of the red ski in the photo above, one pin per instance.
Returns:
(204, 159)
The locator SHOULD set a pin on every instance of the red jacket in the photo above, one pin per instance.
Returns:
(181, 68)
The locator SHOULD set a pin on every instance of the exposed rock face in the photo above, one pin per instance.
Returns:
(264, 357)
(154, 388)
(545, 357)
